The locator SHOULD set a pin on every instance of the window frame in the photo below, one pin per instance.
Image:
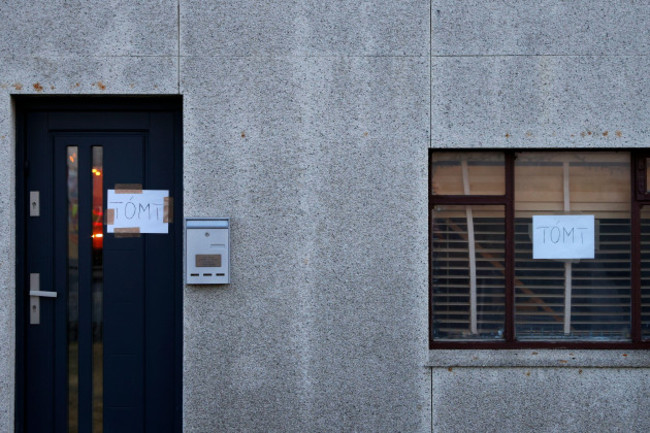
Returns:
(639, 196)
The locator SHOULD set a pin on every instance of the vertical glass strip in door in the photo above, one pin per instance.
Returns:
(98, 288)
(73, 288)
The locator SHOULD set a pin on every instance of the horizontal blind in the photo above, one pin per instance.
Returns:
(600, 288)
(451, 272)
(596, 183)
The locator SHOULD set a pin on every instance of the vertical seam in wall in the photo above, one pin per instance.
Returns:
(428, 168)
(430, 83)
(178, 47)
(431, 397)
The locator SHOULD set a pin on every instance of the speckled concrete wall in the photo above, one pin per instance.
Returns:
(575, 391)
(7, 266)
(540, 400)
(548, 73)
(308, 123)
(310, 130)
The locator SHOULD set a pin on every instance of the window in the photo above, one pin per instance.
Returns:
(539, 249)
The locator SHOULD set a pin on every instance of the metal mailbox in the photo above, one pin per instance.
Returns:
(207, 254)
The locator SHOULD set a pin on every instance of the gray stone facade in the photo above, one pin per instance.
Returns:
(308, 123)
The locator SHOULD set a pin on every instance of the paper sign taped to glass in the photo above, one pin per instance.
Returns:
(563, 237)
(146, 210)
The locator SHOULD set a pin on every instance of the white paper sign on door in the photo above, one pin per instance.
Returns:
(147, 211)
(563, 237)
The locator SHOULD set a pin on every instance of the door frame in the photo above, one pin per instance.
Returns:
(28, 103)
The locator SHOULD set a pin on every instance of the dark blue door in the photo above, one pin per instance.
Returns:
(100, 313)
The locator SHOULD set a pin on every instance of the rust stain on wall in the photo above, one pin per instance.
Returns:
(38, 87)
(596, 133)
(18, 86)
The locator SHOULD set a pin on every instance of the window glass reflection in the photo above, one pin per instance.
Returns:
(98, 288)
(73, 289)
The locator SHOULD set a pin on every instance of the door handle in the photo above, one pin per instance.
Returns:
(35, 295)
(42, 294)
(35, 287)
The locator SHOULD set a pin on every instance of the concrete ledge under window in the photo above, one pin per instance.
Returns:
(539, 358)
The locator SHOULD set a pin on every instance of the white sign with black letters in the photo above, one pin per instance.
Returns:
(563, 237)
(145, 210)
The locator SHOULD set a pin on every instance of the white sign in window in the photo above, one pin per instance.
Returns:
(145, 211)
(563, 237)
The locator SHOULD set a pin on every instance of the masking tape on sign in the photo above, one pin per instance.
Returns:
(128, 188)
(168, 210)
(127, 232)
(109, 217)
